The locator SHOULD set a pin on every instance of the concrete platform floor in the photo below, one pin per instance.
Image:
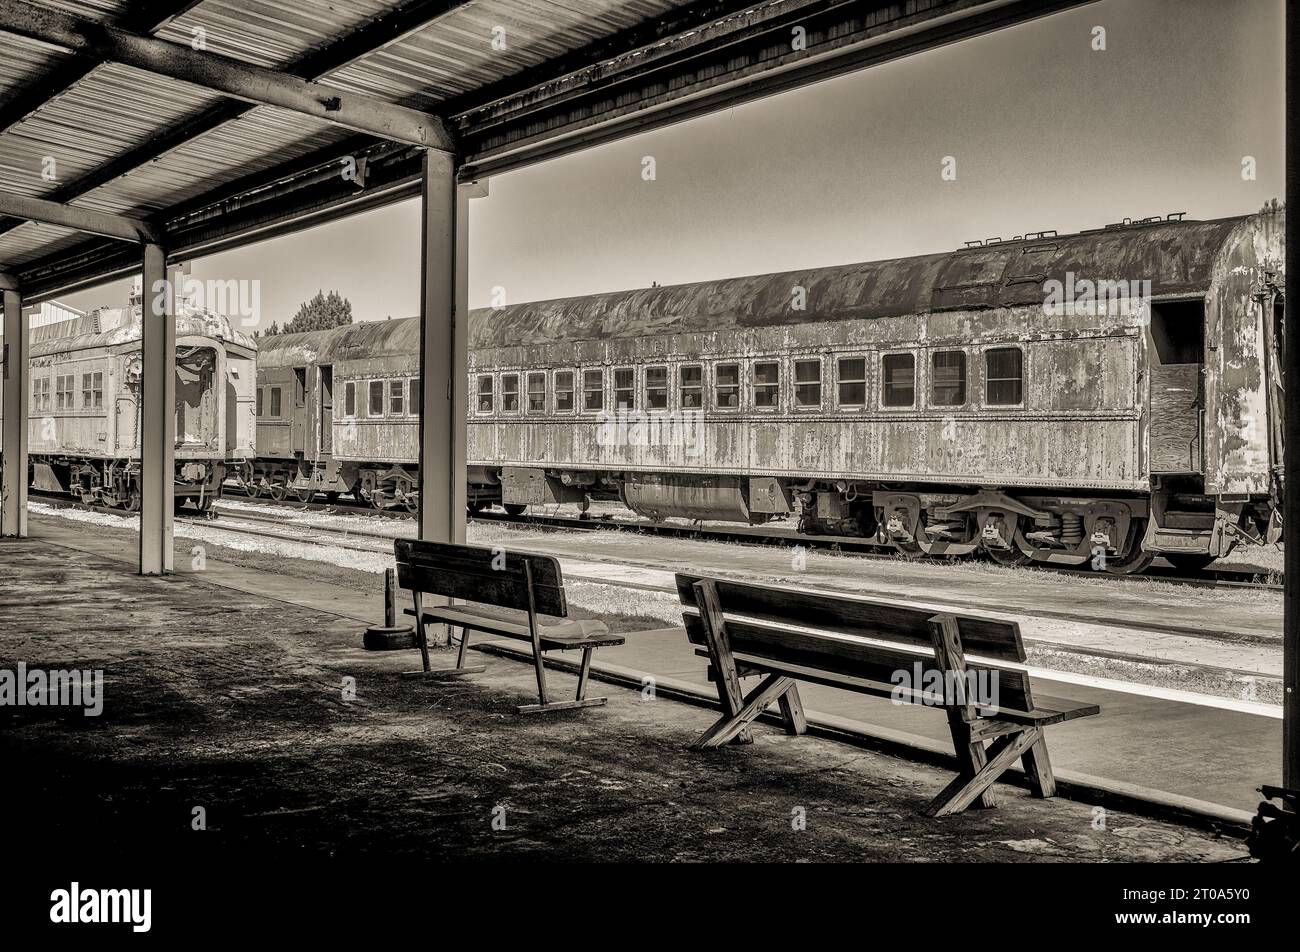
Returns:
(237, 706)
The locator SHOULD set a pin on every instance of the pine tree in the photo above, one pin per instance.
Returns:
(320, 313)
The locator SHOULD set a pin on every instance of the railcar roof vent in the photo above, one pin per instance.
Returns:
(1035, 235)
(1175, 216)
(992, 241)
(977, 243)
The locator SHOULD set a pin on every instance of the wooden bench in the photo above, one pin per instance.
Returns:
(788, 635)
(501, 579)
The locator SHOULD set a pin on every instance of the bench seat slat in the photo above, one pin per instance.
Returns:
(1055, 711)
(554, 638)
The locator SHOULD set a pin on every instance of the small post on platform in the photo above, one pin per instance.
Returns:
(14, 406)
(158, 414)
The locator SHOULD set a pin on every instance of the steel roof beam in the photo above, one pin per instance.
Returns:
(254, 84)
(380, 32)
(80, 219)
(8, 282)
(144, 18)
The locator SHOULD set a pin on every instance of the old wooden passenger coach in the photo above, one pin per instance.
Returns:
(84, 416)
(1104, 396)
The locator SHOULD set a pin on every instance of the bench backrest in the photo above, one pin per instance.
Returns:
(764, 632)
(490, 576)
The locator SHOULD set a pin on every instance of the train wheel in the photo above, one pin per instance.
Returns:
(132, 503)
(279, 491)
(305, 494)
(253, 487)
(1135, 559)
(910, 550)
(1012, 557)
(1188, 562)
(515, 509)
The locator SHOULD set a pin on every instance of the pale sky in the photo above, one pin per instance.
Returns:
(1046, 132)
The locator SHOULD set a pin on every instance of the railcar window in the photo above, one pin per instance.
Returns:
(726, 386)
(853, 381)
(509, 393)
(767, 384)
(537, 393)
(275, 401)
(374, 409)
(486, 398)
(593, 389)
(624, 388)
(563, 390)
(692, 389)
(63, 392)
(260, 391)
(397, 397)
(414, 403)
(656, 388)
(349, 400)
(1003, 380)
(808, 383)
(92, 390)
(898, 380)
(948, 378)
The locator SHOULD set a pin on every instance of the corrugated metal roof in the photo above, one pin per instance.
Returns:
(114, 108)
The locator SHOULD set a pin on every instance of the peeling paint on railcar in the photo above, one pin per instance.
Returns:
(1236, 397)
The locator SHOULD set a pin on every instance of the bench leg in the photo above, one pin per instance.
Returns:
(435, 673)
(584, 672)
(464, 643)
(792, 711)
(729, 726)
(971, 757)
(964, 790)
(540, 666)
(1038, 768)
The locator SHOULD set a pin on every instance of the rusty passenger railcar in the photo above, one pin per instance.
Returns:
(84, 421)
(337, 411)
(1106, 396)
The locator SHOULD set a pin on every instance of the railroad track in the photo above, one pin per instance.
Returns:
(280, 528)
(763, 537)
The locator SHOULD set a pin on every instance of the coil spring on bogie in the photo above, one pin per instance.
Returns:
(1071, 528)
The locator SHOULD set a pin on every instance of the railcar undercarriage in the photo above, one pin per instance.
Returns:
(1117, 533)
(115, 483)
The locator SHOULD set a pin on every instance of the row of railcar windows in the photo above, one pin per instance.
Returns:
(1003, 384)
(383, 398)
(63, 395)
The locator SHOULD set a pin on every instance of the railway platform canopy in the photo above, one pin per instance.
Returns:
(135, 136)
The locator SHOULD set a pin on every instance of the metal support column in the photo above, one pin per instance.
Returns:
(1291, 448)
(444, 349)
(13, 494)
(158, 415)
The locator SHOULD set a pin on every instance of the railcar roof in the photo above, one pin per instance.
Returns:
(1177, 257)
(109, 327)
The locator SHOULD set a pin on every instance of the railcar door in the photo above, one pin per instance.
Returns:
(299, 422)
(326, 399)
(1175, 390)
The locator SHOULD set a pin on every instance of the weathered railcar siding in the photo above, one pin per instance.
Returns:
(358, 353)
(1078, 425)
(1236, 397)
(112, 430)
